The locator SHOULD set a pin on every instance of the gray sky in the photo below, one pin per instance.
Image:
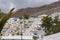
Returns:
(6, 5)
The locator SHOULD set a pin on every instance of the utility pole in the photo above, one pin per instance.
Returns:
(22, 26)
(21, 30)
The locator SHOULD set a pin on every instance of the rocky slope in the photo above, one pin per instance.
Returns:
(47, 9)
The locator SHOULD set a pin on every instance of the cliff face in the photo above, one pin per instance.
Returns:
(38, 10)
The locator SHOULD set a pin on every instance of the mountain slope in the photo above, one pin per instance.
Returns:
(32, 11)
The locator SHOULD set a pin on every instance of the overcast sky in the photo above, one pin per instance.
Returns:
(6, 5)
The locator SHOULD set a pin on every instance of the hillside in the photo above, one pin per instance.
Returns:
(32, 11)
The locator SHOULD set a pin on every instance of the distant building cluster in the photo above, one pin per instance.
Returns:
(24, 27)
(31, 26)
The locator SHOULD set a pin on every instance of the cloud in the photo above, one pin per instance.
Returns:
(11, 5)
(6, 5)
